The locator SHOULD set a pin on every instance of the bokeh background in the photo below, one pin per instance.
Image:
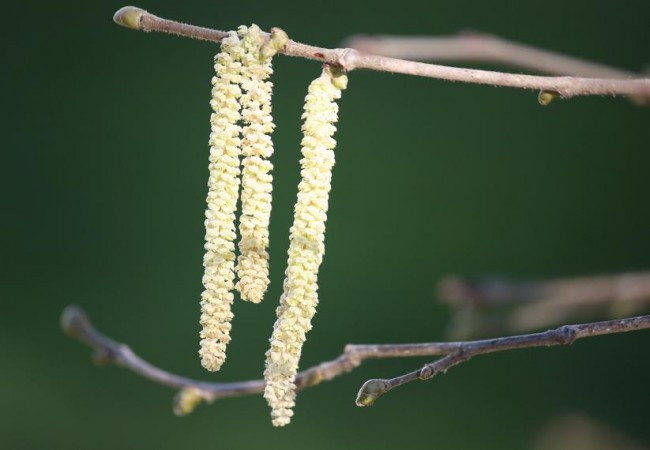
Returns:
(104, 179)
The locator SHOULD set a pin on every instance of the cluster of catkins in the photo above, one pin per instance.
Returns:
(241, 125)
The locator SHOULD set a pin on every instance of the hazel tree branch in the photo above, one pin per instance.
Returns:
(572, 292)
(349, 59)
(482, 47)
(498, 306)
(463, 351)
(76, 324)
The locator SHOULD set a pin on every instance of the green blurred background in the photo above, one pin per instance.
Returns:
(104, 181)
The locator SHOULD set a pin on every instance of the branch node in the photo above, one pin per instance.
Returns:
(353, 359)
(275, 44)
(566, 335)
(347, 58)
(186, 400)
(310, 378)
(426, 372)
(545, 97)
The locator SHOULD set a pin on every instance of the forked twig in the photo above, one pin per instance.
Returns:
(75, 323)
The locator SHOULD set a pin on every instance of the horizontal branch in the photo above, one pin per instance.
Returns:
(463, 351)
(578, 291)
(498, 306)
(76, 324)
(482, 47)
(349, 59)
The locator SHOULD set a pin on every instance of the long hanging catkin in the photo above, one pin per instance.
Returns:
(223, 189)
(306, 249)
(257, 147)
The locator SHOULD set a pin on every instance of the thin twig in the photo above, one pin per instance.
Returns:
(498, 306)
(564, 335)
(75, 324)
(349, 59)
(578, 291)
(486, 48)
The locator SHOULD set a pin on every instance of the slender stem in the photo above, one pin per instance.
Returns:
(350, 59)
(482, 47)
(76, 324)
(574, 292)
(500, 306)
(564, 335)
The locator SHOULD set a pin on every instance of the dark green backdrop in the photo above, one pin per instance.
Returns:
(104, 172)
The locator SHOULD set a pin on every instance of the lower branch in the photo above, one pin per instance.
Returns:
(76, 324)
(564, 335)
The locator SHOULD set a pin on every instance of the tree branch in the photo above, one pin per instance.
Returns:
(349, 59)
(75, 324)
(498, 306)
(578, 291)
(482, 47)
(463, 351)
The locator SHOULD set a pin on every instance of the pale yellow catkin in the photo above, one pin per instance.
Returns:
(300, 297)
(257, 148)
(223, 189)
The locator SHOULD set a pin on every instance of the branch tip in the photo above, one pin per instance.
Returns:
(73, 321)
(371, 391)
(129, 17)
